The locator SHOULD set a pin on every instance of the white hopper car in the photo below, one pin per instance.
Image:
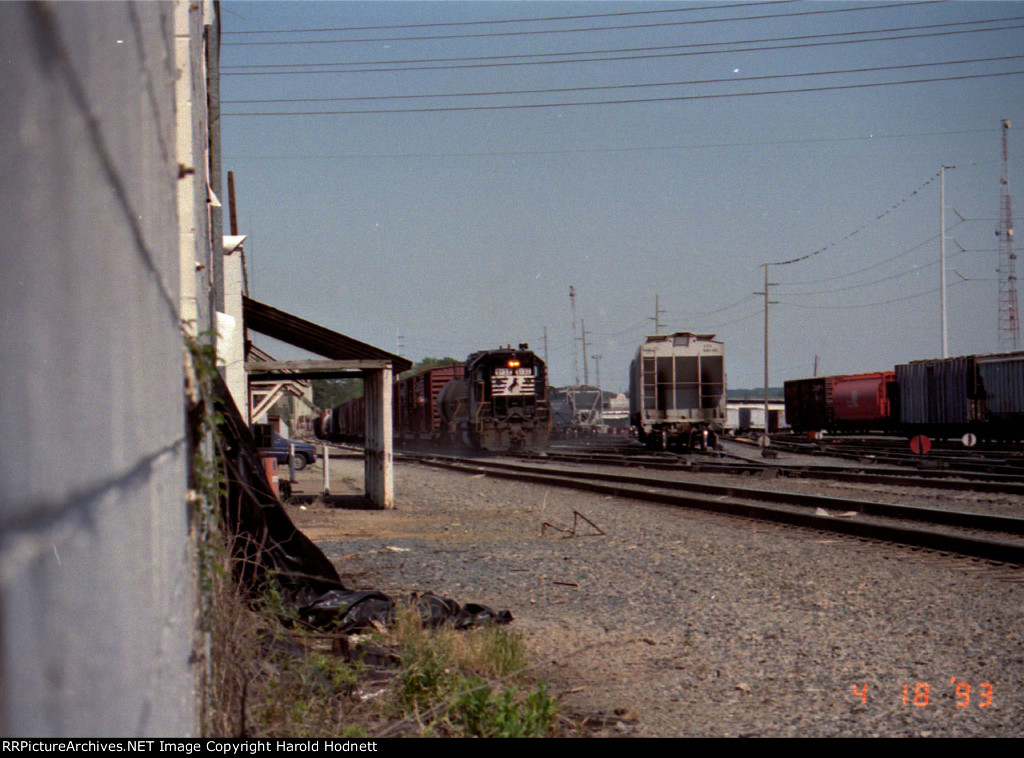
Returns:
(677, 390)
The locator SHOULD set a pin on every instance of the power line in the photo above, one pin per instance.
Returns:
(739, 320)
(505, 20)
(898, 275)
(761, 17)
(692, 314)
(638, 101)
(928, 241)
(900, 299)
(881, 215)
(571, 151)
(565, 90)
(619, 52)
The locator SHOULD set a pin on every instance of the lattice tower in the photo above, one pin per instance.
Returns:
(1009, 317)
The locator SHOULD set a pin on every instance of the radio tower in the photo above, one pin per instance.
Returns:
(1009, 321)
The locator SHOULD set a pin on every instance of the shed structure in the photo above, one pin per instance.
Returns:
(343, 357)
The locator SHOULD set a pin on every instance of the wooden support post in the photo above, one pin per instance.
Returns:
(377, 473)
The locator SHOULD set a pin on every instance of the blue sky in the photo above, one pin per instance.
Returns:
(453, 222)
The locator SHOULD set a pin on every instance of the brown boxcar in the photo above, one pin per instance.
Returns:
(809, 403)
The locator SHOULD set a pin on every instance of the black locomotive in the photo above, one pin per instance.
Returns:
(500, 404)
(495, 402)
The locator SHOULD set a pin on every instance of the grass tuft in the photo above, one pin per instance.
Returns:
(275, 679)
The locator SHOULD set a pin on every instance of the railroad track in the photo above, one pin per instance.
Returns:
(1006, 484)
(1003, 462)
(995, 538)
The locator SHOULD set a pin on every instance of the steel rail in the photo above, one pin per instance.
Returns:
(798, 509)
(974, 463)
(932, 479)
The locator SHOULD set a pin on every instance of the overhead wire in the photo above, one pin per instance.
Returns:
(860, 270)
(859, 229)
(618, 54)
(636, 101)
(564, 90)
(898, 275)
(900, 299)
(761, 17)
(690, 314)
(739, 320)
(572, 151)
(717, 6)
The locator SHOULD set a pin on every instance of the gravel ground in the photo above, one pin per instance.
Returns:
(677, 623)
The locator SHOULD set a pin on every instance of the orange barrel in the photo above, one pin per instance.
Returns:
(270, 469)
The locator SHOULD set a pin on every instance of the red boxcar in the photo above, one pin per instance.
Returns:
(417, 415)
(864, 402)
(414, 413)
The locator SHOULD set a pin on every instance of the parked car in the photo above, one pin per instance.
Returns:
(305, 453)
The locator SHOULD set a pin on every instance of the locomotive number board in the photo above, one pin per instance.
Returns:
(507, 382)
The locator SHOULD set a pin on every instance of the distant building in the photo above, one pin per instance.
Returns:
(743, 416)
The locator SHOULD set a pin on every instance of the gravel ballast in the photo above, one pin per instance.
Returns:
(676, 623)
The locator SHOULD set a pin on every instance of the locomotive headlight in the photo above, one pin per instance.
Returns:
(513, 364)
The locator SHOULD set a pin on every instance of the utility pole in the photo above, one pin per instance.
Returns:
(767, 302)
(575, 364)
(942, 256)
(1009, 321)
(600, 396)
(657, 316)
(233, 220)
(583, 337)
(545, 346)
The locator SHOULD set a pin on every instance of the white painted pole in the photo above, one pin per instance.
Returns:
(942, 255)
(766, 435)
(327, 472)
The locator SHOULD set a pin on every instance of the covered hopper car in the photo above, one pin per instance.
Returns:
(677, 390)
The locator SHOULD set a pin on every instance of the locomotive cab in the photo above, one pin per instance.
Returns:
(507, 400)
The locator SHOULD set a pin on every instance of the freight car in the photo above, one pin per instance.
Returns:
(417, 416)
(677, 390)
(849, 403)
(1002, 376)
(494, 402)
(944, 398)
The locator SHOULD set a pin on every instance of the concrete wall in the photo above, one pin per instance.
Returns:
(193, 155)
(95, 586)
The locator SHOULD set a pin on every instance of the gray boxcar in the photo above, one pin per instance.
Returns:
(1003, 379)
(942, 397)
